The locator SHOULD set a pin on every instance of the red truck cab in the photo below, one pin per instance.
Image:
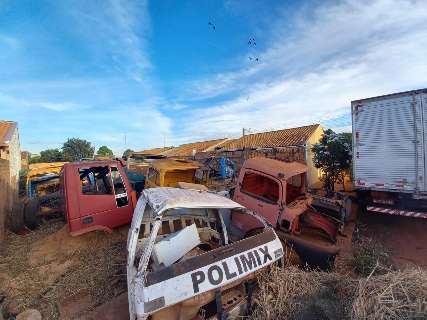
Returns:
(96, 196)
(277, 191)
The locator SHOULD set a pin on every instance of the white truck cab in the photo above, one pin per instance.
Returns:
(186, 256)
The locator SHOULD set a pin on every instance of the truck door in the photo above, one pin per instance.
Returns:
(104, 200)
(260, 193)
(96, 198)
(123, 202)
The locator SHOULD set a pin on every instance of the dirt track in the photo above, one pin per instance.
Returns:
(404, 238)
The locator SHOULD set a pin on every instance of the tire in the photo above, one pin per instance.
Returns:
(31, 213)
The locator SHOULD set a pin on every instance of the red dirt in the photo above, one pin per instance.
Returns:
(405, 238)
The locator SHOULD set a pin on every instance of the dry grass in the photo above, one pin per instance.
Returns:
(296, 294)
(394, 295)
(369, 255)
(95, 267)
(292, 293)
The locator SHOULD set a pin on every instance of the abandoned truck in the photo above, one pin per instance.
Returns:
(168, 172)
(188, 257)
(277, 191)
(41, 192)
(390, 153)
(95, 195)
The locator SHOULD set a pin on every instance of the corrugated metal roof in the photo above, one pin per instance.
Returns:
(155, 151)
(6, 131)
(279, 138)
(186, 150)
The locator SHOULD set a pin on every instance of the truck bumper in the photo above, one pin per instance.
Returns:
(397, 212)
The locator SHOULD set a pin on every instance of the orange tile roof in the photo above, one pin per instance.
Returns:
(6, 131)
(186, 150)
(154, 151)
(278, 138)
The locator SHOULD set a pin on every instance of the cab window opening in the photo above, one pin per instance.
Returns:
(260, 187)
(95, 181)
(119, 188)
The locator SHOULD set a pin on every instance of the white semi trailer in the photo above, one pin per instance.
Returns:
(390, 152)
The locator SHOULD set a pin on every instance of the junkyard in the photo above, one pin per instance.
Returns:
(321, 216)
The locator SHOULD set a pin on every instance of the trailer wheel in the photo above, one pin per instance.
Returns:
(31, 212)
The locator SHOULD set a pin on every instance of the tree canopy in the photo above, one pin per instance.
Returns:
(75, 149)
(127, 153)
(104, 151)
(333, 155)
(51, 155)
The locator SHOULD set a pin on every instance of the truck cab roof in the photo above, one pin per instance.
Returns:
(91, 163)
(276, 168)
(163, 198)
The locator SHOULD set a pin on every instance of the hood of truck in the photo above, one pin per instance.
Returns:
(163, 198)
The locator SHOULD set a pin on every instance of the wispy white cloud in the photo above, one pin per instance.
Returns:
(336, 53)
(121, 27)
(8, 101)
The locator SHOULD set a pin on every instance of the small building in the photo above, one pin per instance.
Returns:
(150, 152)
(10, 148)
(293, 144)
(10, 165)
(191, 149)
(25, 160)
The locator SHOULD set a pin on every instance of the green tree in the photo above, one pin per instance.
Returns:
(34, 159)
(127, 153)
(333, 156)
(104, 151)
(75, 149)
(51, 155)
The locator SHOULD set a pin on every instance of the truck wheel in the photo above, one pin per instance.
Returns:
(31, 212)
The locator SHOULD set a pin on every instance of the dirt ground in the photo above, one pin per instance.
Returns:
(404, 238)
(85, 277)
(64, 277)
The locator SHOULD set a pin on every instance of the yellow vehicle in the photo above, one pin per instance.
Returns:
(42, 191)
(168, 172)
(41, 177)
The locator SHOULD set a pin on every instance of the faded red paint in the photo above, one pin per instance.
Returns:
(287, 206)
(277, 172)
(84, 212)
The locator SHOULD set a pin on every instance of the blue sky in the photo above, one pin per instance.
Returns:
(141, 74)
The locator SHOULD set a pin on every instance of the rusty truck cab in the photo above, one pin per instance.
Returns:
(277, 191)
(97, 196)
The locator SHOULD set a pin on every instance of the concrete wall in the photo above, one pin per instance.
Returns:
(5, 195)
(313, 174)
(10, 165)
(15, 157)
